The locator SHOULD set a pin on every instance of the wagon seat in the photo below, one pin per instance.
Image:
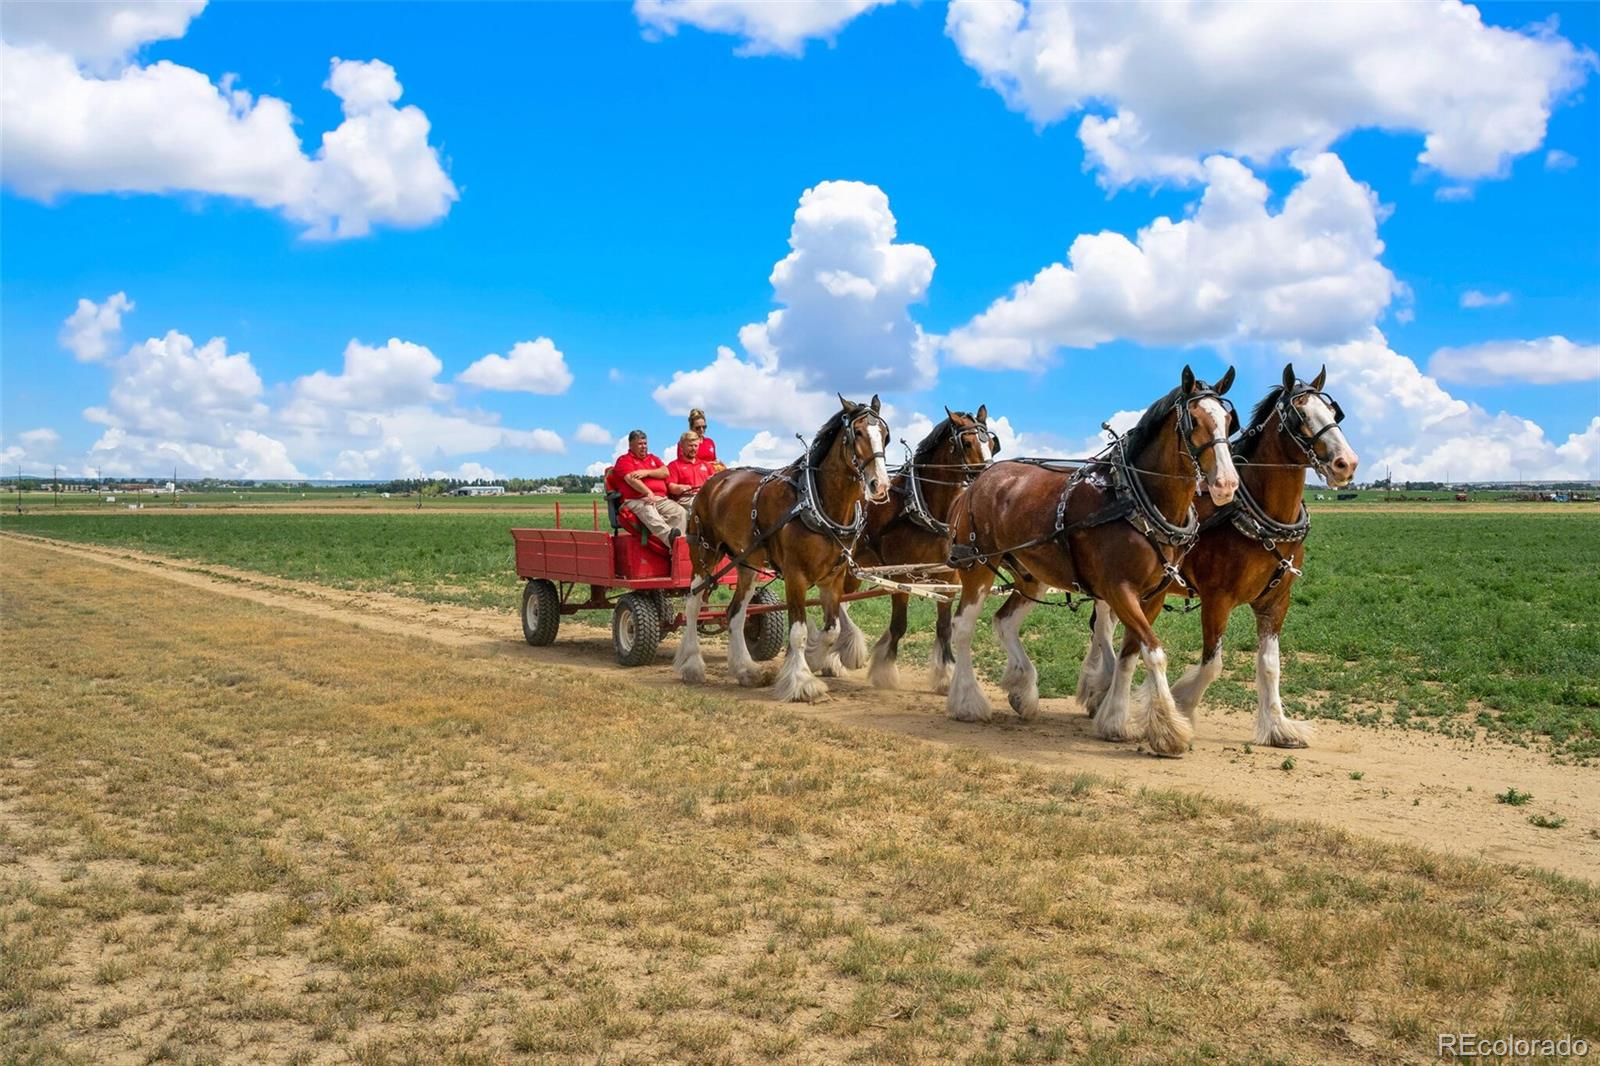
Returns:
(623, 519)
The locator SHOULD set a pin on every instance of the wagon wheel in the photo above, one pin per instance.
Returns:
(765, 634)
(636, 628)
(541, 612)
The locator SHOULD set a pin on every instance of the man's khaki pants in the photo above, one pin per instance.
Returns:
(659, 515)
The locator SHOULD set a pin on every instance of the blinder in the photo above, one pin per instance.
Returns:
(1295, 422)
(1186, 424)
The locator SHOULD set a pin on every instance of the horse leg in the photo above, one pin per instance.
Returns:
(1100, 662)
(795, 682)
(1113, 717)
(940, 659)
(884, 672)
(745, 670)
(1191, 687)
(1165, 730)
(966, 701)
(1272, 727)
(1021, 679)
(852, 642)
(688, 662)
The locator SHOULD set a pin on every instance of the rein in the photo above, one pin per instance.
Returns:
(916, 505)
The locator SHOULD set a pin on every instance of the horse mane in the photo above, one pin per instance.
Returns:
(1251, 436)
(1151, 420)
(935, 437)
(829, 433)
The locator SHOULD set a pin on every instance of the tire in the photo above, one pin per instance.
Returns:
(636, 628)
(767, 633)
(541, 612)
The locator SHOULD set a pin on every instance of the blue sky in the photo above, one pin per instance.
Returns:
(622, 182)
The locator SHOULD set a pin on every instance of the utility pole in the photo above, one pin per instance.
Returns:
(55, 484)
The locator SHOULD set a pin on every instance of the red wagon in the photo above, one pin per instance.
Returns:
(631, 576)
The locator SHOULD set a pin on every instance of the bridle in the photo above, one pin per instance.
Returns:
(848, 433)
(1294, 423)
(916, 507)
(1185, 427)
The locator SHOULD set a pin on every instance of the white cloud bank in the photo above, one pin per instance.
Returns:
(1178, 81)
(1235, 271)
(535, 366)
(174, 402)
(75, 120)
(1543, 361)
(847, 287)
(767, 27)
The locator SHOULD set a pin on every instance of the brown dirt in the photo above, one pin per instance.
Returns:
(1415, 788)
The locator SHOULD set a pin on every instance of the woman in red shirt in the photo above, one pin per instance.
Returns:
(688, 471)
(708, 447)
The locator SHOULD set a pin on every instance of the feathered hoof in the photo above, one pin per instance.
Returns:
(803, 689)
(754, 677)
(884, 673)
(1287, 733)
(692, 672)
(1026, 704)
(1168, 735)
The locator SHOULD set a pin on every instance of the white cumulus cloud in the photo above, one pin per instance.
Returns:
(766, 26)
(535, 366)
(847, 287)
(1542, 361)
(395, 374)
(1472, 298)
(1233, 271)
(1164, 85)
(592, 433)
(71, 123)
(88, 332)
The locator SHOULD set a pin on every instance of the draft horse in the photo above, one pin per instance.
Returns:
(1251, 550)
(912, 526)
(1114, 529)
(802, 521)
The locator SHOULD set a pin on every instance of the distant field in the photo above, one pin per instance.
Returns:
(342, 499)
(1444, 621)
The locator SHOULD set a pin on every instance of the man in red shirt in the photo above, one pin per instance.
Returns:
(708, 447)
(644, 490)
(687, 472)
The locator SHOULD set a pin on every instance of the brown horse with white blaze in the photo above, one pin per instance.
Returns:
(912, 527)
(1251, 551)
(801, 521)
(1114, 528)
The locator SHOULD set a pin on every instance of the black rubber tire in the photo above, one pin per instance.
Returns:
(765, 634)
(541, 612)
(636, 628)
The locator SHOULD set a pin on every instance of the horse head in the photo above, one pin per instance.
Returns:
(1311, 419)
(1205, 422)
(864, 435)
(971, 440)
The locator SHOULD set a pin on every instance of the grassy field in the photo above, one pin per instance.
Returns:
(1450, 621)
(344, 847)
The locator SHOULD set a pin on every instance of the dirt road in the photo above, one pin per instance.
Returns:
(1391, 784)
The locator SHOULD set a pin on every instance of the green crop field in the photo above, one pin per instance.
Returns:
(1446, 621)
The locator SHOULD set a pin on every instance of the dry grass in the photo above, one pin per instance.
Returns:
(231, 834)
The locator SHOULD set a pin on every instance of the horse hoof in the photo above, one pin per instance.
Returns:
(1288, 742)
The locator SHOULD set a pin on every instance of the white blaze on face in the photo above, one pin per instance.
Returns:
(880, 473)
(1338, 459)
(1224, 479)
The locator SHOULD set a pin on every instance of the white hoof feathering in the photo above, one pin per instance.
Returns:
(883, 671)
(1165, 730)
(940, 667)
(796, 683)
(688, 662)
(1190, 689)
(746, 671)
(852, 644)
(966, 701)
(1021, 677)
(1272, 728)
(1114, 718)
(1099, 662)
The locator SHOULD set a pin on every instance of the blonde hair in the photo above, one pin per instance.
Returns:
(688, 436)
(694, 413)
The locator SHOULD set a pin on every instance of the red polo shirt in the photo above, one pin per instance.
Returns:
(708, 450)
(691, 472)
(627, 464)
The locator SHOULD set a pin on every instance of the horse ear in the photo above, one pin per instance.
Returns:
(1321, 379)
(1188, 379)
(844, 403)
(875, 404)
(1288, 377)
(983, 413)
(1225, 384)
(947, 412)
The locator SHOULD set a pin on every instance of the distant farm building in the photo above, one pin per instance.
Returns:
(548, 490)
(480, 490)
